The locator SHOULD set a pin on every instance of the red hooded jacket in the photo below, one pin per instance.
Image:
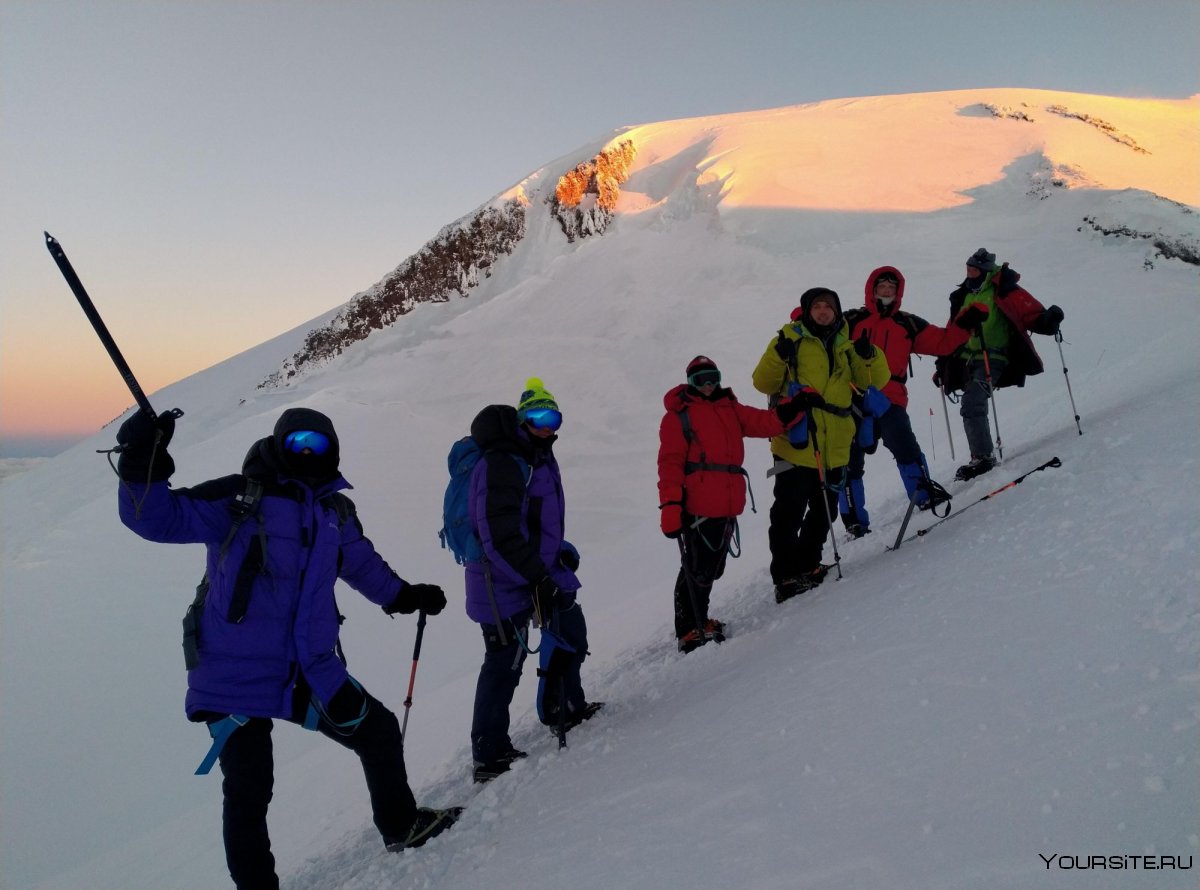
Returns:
(718, 426)
(899, 334)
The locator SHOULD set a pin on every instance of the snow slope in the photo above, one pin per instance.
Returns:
(1022, 683)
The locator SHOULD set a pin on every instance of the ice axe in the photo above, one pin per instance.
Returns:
(89, 309)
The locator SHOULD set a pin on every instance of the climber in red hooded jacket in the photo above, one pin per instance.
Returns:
(702, 486)
(898, 334)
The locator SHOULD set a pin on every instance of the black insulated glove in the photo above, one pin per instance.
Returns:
(863, 346)
(807, 397)
(788, 410)
(785, 348)
(1051, 319)
(428, 598)
(972, 317)
(143, 454)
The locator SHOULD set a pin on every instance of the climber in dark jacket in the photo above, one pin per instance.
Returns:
(526, 573)
(1000, 351)
(266, 628)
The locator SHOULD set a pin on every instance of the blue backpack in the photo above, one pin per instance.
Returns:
(457, 535)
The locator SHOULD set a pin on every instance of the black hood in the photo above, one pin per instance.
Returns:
(808, 298)
(496, 428)
(268, 457)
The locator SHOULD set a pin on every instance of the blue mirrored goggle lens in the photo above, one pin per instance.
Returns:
(703, 378)
(310, 440)
(544, 418)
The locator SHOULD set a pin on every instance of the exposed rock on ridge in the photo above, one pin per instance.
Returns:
(585, 198)
(450, 264)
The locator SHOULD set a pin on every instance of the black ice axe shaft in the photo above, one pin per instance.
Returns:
(89, 309)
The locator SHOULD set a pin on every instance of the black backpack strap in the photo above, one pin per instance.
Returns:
(790, 366)
(244, 506)
(853, 316)
(694, 466)
(912, 324)
(686, 422)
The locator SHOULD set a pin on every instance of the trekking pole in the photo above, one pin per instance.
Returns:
(932, 441)
(89, 309)
(946, 411)
(837, 559)
(1054, 462)
(987, 370)
(690, 584)
(1058, 338)
(412, 677)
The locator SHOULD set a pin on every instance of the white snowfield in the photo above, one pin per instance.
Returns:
(1004, 703)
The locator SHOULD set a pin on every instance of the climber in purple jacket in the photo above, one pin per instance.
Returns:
(526, 574)
(263, 631)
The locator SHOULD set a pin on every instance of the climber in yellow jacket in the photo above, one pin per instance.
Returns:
(812, 360)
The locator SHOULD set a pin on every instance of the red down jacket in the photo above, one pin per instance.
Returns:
(718, 426)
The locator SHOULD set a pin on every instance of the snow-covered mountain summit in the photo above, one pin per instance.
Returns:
(1019, 684)
(886, 154)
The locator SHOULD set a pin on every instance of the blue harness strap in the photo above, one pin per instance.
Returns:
(220, 731)
(316, 713)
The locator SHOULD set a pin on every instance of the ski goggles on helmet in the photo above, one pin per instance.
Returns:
(544, 418)
(306, 440)
(704, 378)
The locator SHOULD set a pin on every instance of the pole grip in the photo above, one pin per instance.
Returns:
(412, 676)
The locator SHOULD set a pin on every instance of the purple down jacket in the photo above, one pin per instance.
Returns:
(520, 523)
(289, 632)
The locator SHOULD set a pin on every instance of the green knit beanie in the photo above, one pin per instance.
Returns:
(535, 396)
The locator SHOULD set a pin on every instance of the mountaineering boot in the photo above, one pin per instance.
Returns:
(809, 580)
(802, 583)
(690, 641)
(935, 496)
(787, 589)
(977, 467)
(857, 529)
(590, 710)
(486, 771)
(429, 823)
(714, 630)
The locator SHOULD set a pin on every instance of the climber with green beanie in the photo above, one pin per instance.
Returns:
(526, 575)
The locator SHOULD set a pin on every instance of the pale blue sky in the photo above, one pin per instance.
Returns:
(220, 172)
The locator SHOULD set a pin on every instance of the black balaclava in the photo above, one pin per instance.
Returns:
(311, 469)
(985, 262)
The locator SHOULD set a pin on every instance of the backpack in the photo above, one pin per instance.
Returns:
(457, 534)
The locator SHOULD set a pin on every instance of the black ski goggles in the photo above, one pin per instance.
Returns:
(704, 378)
(311, 441)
